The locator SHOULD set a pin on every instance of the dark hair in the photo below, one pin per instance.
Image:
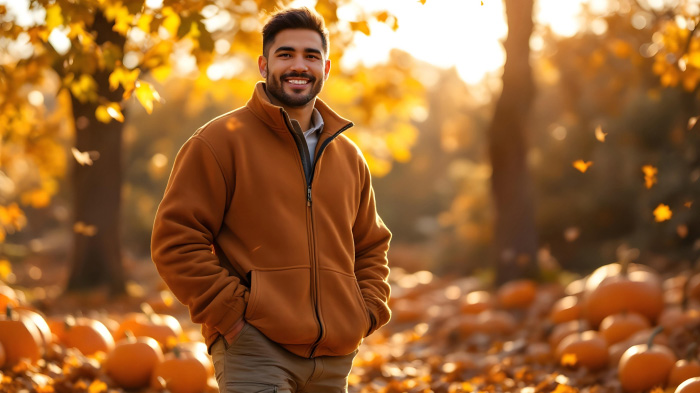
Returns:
(294, 18)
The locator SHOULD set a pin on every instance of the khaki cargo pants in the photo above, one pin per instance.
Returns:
(252, 363)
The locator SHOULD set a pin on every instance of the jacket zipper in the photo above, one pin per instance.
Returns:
(309, 171)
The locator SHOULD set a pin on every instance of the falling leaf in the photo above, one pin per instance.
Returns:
(382, 16)
(105, 113)
(582, 165)
(85, 157)
(482, 3)
(682, 231)
(146, 94)
(422, 1)
(599, 134)
(568, 359)
(649, 175)
(692, 121)
(662, 213)
(688, 204)
(84, 229)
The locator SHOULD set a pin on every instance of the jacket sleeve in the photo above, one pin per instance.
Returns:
(371, 246)
(186, 224)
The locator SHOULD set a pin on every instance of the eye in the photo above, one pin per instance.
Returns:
(284, 55)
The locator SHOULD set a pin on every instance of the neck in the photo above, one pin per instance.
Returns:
(301, 114)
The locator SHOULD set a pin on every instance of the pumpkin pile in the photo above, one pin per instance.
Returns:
(62, 354)
(623, 328)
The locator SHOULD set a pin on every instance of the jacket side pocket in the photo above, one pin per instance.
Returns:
(280, 305)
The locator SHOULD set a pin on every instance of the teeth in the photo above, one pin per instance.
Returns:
(297, 81)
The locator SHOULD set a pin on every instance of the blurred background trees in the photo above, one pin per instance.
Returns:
(620, 95)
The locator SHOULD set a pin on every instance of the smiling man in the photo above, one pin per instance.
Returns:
(268, 229)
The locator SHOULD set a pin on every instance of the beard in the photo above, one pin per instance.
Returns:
(276, 89)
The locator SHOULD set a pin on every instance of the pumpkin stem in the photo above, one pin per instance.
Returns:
(8, 311)
(655, 333)
(69, 322)
(130, 335)
(177, 352)
(148, 310)
(624, 265)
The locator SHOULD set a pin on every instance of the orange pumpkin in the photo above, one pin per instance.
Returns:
(565, 309)
(611, 293)
(181, 372)
(39, 321)
(691, 385)
(132, 361)
(161, 327)
(517, 294)
(476, 302)
(2, 356)
(588, 349)
(645, 366)
(617, 350)
(677, 317)
(618, 327)
(560, 331)
(20, 338)
(86, 335)
(495, 322)
(8, 297)
(685, 368)
(693, 287)
(201, 349)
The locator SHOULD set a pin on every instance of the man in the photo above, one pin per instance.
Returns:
(268, 230)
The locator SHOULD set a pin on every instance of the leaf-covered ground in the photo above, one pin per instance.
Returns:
(446, 335)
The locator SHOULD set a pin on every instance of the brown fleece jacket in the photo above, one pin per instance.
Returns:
(300, 251)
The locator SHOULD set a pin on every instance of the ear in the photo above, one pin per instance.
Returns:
(327, 69)
(262, 66)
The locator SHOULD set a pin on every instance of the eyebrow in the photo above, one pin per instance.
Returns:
(291, 49)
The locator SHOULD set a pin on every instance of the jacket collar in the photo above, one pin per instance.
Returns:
(272, 115)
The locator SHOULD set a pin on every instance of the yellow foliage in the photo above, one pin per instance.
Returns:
(5, 266)
(171, 23)
(569, 359)
(361, 26)
(84, 88)
(54, 17)
(122, 76)
(146, 94)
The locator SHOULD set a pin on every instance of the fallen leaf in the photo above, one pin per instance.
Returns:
(582, 165)
(568, 359)
(662, 213)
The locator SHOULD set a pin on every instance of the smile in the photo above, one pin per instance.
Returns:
(300, 82)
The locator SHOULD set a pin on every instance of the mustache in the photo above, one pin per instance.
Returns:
(298, 75)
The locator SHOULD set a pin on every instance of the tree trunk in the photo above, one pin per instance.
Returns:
(97, 188)
(515, 244)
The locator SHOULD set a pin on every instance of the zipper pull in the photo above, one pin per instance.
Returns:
(308, 196)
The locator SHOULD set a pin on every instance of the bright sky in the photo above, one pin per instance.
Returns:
(460, 33)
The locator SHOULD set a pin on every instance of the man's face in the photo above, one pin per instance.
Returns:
(295, 67)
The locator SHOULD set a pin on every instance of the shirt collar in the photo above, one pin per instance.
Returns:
(316, 123)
